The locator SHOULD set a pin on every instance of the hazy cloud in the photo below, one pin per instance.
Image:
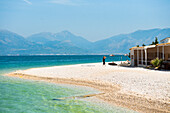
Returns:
(28, 2)
(65, 2)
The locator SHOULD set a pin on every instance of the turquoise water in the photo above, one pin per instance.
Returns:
(11, 63)
(27, 96)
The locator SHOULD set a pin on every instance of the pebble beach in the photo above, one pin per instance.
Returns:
(139, 89)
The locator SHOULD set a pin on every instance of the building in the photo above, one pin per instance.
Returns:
(142, 56)
(166, 40)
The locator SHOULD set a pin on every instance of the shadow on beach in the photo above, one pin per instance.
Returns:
(128, 65)
(162, 70)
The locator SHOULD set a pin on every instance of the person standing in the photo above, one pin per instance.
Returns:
(104, 60)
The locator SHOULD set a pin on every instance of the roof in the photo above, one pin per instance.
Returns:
(135, 47)
(150, 46)
(165, 39)
(162, 44)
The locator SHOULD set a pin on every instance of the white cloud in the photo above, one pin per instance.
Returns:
(64, 2)
(28, 2)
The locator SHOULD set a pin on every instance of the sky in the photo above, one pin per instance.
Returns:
(91, 19)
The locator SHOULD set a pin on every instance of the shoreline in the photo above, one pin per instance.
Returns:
(113, 92)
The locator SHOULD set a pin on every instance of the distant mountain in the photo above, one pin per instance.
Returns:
(121, 43)
(12, 43)
(67, 43)
(61, 47)
(41, 38)
(64, 36)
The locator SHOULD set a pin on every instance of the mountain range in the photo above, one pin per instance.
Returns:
(67, 43)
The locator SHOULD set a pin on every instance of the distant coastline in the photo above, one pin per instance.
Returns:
(52, 54)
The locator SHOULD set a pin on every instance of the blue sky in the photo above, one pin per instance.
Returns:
(91, 19)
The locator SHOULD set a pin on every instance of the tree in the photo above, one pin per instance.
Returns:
(153, 43)
(156, 40)
(143, 45)
(137, 46)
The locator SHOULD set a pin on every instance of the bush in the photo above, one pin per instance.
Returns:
(156, 62)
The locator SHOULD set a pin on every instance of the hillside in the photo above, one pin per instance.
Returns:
(12, 43)
(64, 36)
(121, 43)
(67, 43)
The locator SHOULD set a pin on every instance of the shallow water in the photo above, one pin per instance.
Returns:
(27, 96)
(19, 95)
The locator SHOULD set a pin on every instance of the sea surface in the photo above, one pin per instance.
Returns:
(28, 96)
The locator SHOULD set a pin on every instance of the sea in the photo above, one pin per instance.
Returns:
(19, 95)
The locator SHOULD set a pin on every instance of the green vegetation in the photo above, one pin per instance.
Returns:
(153, 43)
(156, 62)
(137, 46)
(143, 45)
(156, 41)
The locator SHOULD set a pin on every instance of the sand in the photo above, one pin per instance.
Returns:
(139, 89)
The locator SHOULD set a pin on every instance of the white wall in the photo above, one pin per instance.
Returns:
(132, 59)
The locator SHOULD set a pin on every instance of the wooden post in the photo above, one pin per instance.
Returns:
(158, 51)
(137, 57)
(163, 52)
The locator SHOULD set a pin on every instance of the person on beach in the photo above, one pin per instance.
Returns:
(104, 60)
